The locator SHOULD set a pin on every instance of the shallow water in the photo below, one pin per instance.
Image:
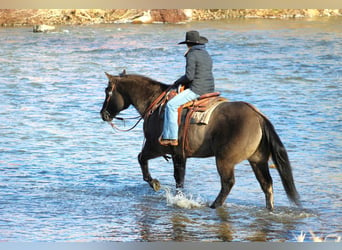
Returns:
(67, 176)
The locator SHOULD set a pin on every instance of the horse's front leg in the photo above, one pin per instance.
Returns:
(179, 163)
(143, 161)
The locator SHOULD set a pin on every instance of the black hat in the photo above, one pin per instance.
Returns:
(194, 37)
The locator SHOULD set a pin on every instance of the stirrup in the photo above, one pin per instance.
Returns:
(168, 142)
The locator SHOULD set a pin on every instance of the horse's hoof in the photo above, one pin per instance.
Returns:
(213, 206)
(155, 184)
(270, 208)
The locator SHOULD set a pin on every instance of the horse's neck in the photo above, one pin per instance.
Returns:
(142, 95)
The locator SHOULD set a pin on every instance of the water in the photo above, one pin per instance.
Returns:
(67, 176)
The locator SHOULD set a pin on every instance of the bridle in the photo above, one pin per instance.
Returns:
(153, 106)
(110, 94)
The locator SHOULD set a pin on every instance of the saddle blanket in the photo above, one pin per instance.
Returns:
(203, 116)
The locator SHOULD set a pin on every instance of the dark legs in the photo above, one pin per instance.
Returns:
(262, 173)
(178, 163)
(143, 161)
(226, 171)
(179, 170)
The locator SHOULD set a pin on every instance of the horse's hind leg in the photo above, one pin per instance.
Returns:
(226, 171)
(179, 163)
(262, 173)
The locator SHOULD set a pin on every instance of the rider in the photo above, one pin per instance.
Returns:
(198, 80)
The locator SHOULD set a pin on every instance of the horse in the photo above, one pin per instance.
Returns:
(236, 131)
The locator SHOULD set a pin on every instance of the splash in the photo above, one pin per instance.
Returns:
(315, 238)
(181, 200)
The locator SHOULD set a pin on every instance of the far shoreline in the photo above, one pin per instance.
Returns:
(85, 17)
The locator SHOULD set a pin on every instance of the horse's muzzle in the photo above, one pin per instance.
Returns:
(106, 116)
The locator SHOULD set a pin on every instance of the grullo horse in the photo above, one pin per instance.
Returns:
(235, 132)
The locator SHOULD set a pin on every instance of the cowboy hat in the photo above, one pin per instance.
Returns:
(194, 37)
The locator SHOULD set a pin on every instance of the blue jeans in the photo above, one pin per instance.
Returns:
(170, 129)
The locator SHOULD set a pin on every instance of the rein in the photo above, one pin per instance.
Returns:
(123, 119)
(146, 114)
(156, 102)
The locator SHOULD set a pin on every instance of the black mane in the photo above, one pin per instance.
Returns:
(142, 78)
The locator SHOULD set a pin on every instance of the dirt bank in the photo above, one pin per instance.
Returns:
(20, 17)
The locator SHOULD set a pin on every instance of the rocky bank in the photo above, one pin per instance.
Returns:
(20, 17)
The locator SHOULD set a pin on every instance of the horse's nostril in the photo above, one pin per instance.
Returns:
(105, 115)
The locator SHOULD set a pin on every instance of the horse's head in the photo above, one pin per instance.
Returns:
(114, 101)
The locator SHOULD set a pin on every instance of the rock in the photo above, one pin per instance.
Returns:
(313, 12)
(43, 28)
(145, 18)
(169, 16)
(162, 16)
(188, 13)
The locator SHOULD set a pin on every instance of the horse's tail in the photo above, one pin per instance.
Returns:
(281, 160)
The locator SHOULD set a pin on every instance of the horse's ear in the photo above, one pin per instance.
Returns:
(123, 73)
(108, 75)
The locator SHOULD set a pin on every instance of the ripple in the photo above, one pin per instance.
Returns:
(66, 176)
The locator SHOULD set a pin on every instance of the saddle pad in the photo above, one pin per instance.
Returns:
(203, 117)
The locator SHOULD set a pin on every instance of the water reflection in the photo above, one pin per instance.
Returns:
(179, 227)
(224, 230)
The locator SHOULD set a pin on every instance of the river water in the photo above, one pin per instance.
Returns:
(65, 175)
